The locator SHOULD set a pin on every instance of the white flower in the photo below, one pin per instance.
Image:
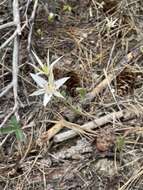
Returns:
(110, 23)
(44, 68)
(49, 88)
(51, 16)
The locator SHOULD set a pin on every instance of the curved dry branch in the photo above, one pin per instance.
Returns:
(94, 124)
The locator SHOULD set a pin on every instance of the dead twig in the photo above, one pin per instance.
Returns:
(16, 16)
(11, 37)
(6, 89)
(93, 124)
(48, 135)
(31, 22)
(9, 24)
(16, 21)
(15, 70)
(8, 116)
(8, 40)
(15, 59)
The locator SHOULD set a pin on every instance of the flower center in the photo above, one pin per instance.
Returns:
(49, 89)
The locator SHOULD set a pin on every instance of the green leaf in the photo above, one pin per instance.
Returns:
(14, 123)
(120, 143)
(19, 135)
(14, 126)
(67, 8)
(7, 130)
(82, 92)
(141, 49)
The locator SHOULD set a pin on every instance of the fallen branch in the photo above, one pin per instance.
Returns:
(16, 16)
(11, 37)
(15, 70)
(8, 40)
(9, 24)
(31, 22)
(48, 135)
(93, 124)
(15, 59)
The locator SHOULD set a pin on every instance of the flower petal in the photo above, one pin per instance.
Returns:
(39, 80)
(60, 82)
(37, 92)
(58, 94)
(47, 98)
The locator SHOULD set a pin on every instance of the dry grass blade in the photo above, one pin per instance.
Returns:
(86, 132)
(128, 184)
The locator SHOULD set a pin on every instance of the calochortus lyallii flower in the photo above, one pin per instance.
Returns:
(110, 22)
(48, 88)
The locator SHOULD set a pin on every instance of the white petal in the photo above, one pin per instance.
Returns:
(58, 94)
(60, 82)
(37, 92)
(47, 98)
(39, 80)
(38, 59)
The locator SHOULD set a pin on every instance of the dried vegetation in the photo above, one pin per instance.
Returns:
(99, 144)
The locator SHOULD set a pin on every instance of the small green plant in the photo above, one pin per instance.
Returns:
(51, 17)
(14, 127)
(67, 8)
(120, 143)
(82, 92)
